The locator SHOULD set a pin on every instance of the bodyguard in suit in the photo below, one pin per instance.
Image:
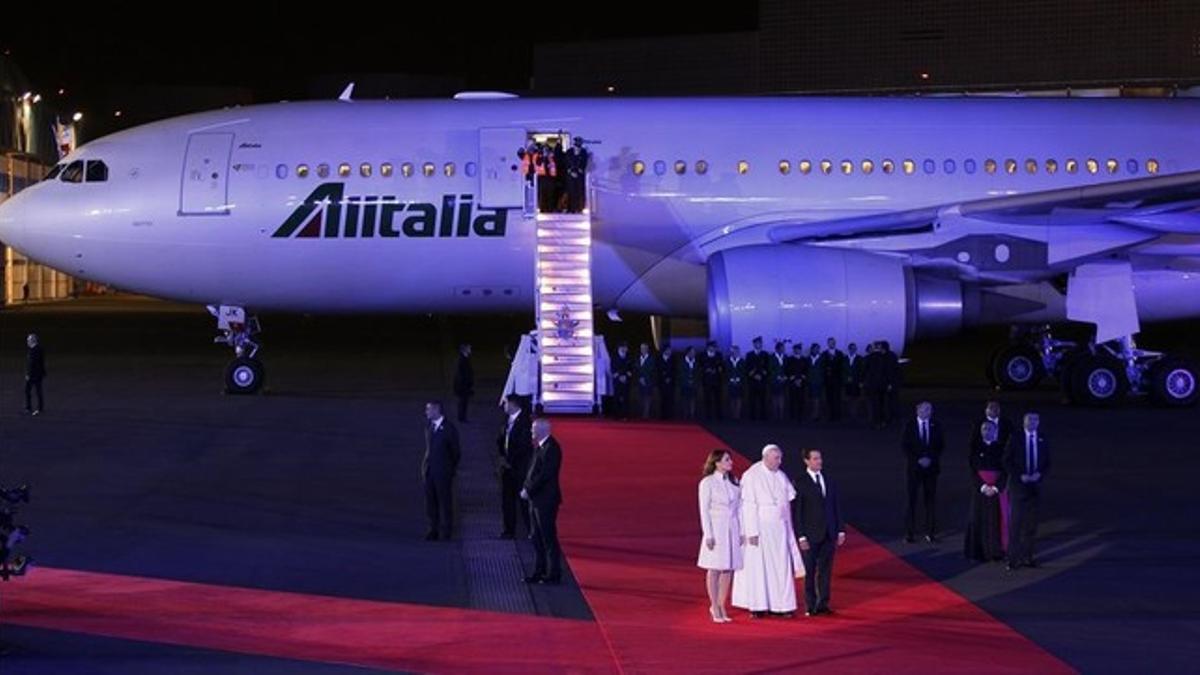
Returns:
(1004, 426)
(711, 367)
(855, 372)
(689, 379)
(442, 452)
(777, 376)
(544, 496)
(622, 375)
(797, 375)
(819, 530)
(835, 378)
(35, 372)
(464, 381)
(756, 378)
(515, 450)
(647, 379)
(666, 383)
(735, 379)
(1027, 462)
(922, 442)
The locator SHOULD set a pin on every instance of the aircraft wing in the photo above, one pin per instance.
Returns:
(1162, 204)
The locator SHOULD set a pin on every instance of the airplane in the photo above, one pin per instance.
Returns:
(793, 218)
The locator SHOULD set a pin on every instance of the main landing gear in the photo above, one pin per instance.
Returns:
(245, 373)
(1096, 374)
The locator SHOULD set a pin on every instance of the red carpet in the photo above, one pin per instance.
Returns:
(306, 627)
(631, 533)
(630, 528)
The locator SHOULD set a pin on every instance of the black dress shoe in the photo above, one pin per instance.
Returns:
(757, 615)
(431, 536)
(908, 539)
(811, 613)
(931, 539)
(534, 579)
(785, 615)
(826, 611)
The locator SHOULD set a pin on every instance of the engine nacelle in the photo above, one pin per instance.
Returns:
(810, 293)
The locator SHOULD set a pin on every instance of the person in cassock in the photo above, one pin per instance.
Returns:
(987, 518)
(721, 547)
(771, 561)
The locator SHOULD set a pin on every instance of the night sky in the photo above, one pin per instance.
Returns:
(277, 49)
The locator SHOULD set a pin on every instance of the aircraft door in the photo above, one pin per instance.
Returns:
(205, 187)
(501, 185)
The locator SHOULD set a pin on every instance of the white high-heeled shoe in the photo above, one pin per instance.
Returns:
(713, 614)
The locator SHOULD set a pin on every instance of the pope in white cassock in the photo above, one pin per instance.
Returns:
(771, 558)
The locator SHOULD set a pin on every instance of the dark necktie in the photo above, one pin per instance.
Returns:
(1031, 453)
(821, 484)
(924, 433)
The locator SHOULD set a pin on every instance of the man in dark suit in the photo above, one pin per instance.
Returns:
(542, 491)
(757, 362)
(1004, 426)
(622, 377)
(666, 383)
(647, 379)
(515, 449)
(464, 381)
(35, 372)
(442, 452)
(797, 375)
(711, 367)
(835, 377)
(855, 372)
(819, 531)
(922, 442)
(1027, 462)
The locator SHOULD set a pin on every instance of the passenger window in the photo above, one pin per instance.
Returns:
(1031, 166)
(888, 166)
(1093, 166)
(302, 171)
(660, 167)
(743, 167)
(1072, 166)
(281, 171)
(785, 167)
(639, 167)
(323, 171)
(949, 166)
(1010, 166)
(826, 166)
(702, 167)
(847, 167)
(364, 169)
(930, 166)
(805, 166)
(910, 167)
(1131, 166)
(406, 169)
(428, 169)
(1051, 166)
(1152, 166)
(989, 165)
(680, 167)
(969, 165)
(386, 170)
(470, 169)
(344, 170)
(1112, 165)
(73, 173)
(868, 166)
(448, 170)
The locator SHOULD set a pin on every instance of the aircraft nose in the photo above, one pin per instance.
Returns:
(12, 222)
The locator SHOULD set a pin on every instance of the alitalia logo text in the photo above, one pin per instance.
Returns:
(328, 213)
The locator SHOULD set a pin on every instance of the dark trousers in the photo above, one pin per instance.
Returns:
(818, 566)
(796, 403)
(924, 481)
(463, 402)
(878, 405)
(833, 397)
(545, 542)
(1023, 526)
(758, 401)
(666, 403)
(439, 502)
(712, 401)
(32, 386)
(621, 401)
(511, 503)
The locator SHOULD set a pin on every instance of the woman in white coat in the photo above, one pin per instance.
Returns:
(721, 547)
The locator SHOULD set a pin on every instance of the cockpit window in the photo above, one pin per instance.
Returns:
(55, 171)
(73, 173)
(97, 171)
